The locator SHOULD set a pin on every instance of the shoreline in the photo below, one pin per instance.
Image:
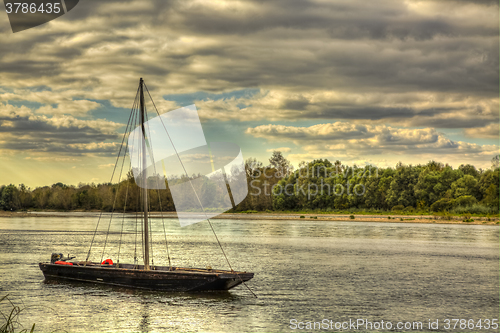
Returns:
(285, 216)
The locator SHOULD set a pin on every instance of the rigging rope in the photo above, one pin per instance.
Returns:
(142, 227)
(114, 201)
(113, 174)
(158, 193)
(125, 208)
(132, 114)
(123, 222)
(150, 236)
(197, 197)
(136, 261)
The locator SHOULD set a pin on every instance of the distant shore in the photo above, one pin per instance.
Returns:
(286, 216)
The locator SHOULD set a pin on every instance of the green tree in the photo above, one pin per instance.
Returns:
(465, 186)
(25, 197)
(468, 169)
(489, 187)
(435, 183)
(281, 164)
(401, 190)
(10, 198)
(495, 162)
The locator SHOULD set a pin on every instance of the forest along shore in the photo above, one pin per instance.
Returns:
(287, 216)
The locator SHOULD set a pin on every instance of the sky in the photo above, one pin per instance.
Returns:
(364, 82)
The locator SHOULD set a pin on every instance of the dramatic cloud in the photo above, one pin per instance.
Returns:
(21, 129)
(353, 141)
(491, 131)
(409, 109)
(77, 108)
(392, 72)
(186, 46)
(282, 149)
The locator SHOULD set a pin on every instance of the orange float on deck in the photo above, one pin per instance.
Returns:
(63, 263)
(107, 262)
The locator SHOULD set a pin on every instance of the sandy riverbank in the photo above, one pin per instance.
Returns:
(290, 216)
(359, 218)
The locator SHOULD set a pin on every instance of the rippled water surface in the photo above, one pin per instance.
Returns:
(304, 270)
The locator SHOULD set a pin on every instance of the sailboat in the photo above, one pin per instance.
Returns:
(147, 275)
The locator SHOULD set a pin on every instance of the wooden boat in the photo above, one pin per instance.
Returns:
(155, 278)
(145, 276)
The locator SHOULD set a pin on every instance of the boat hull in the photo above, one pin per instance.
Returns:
(158, 278)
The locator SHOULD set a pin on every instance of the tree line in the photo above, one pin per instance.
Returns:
(433, 187)
(316, 185)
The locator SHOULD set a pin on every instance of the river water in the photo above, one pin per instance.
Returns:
(305, 271)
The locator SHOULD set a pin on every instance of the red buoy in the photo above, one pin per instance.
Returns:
(107, 262)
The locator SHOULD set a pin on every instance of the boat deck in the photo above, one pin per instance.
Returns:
(157, 278)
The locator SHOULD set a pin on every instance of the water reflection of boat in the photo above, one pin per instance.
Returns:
(144, 276)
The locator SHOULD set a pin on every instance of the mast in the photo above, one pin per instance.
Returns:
(144, 177)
